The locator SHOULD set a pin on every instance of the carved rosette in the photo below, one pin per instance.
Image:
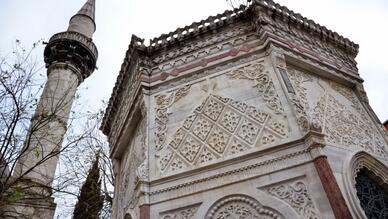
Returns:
(74, 48)
(298, 197)
(240, 206)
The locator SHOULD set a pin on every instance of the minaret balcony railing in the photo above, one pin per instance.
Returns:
(72, 47)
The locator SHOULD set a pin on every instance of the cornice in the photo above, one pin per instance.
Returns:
(297, 21)
(260, 14)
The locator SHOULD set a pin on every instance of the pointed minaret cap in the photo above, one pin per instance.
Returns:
(83, 21)
(88, 9)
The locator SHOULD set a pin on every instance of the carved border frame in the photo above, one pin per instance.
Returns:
(352, 166)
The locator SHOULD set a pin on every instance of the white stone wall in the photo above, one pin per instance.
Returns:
(229, 135)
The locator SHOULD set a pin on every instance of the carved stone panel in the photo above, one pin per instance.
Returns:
(262, 82)
(338, 111)
(133, 166)
(240, 206)
(218, 128)
(181, 213)
(297, 196)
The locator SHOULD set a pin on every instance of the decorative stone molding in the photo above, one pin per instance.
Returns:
(196, 28)
(297, 195)
(240, 206)
(245, 172)
(181, 213)
(207, 72)
(352, 165)
(128, 74)
(301, 32)
(207, 46)
(315, 142)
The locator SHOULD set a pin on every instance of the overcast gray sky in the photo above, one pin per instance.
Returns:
(364, 22)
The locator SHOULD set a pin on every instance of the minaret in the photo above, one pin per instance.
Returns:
(70, 58)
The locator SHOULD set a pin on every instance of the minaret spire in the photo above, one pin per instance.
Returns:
(88, 9)
(70, 58)
(84, 21)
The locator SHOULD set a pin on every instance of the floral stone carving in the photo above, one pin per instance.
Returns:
(163, 103)
(256, 72)
(240, 206)
(345, 126)
(297, 196)
(134, 158)
(181, 213)
(220, 127)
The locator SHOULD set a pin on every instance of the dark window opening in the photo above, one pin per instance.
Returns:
(372, 194)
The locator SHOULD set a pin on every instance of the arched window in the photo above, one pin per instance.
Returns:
(127, 216)
(366, 186)
(373, 194)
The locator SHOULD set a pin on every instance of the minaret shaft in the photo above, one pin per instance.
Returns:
(70, 58)
(48, 125)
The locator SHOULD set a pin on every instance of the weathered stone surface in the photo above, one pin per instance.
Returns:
(237, 112)
(70, 58)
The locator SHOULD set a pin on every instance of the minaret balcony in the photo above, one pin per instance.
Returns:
(74, 48)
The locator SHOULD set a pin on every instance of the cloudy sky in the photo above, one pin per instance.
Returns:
(364, 22)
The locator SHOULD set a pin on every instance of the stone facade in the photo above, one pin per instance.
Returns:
(256, 113)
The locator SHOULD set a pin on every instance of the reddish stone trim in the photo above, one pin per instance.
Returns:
(145, 211)
(246, 48)
(333, 192)
(204, 62)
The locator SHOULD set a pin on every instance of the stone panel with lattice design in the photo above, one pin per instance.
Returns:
(218, 128)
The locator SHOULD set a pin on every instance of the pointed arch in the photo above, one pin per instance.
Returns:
(361, 161)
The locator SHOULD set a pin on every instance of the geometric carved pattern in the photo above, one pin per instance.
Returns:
(346, 126)
(339, 112)
(218, 128)
(181, 213)
(240, 206)
(297, 196)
